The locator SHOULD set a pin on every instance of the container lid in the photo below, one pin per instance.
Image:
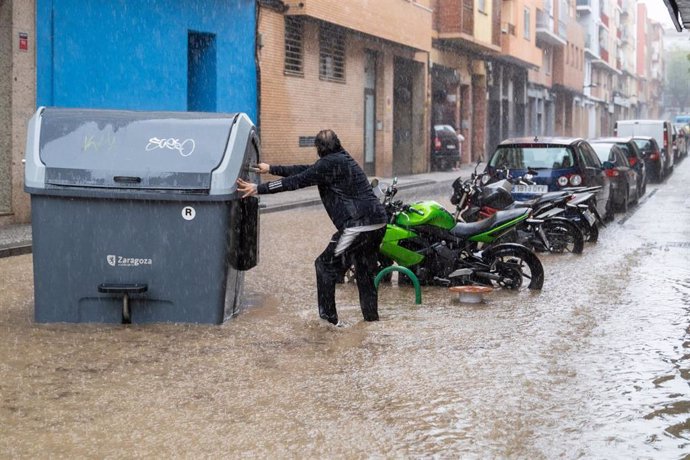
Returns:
(134, 150)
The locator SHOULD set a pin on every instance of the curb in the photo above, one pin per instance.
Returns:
(15, 249)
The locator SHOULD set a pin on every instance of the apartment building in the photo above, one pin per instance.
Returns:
(625, 95)
(465, 33)
(357, 67)
(508, 71)
(595, 18)
(561, 39)
(649, 65)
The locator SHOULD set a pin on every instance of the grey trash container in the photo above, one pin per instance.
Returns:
(136, 217)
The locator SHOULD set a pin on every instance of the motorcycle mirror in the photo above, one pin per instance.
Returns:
(374, 183)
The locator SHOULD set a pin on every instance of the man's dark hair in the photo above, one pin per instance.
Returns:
(327, 142)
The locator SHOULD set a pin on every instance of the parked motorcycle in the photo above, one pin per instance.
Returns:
(426, 238)
(545, 230)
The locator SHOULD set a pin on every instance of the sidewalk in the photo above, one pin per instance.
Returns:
(16, 239)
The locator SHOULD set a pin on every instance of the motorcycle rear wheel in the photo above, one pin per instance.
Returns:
(563, 236)
(516, 264)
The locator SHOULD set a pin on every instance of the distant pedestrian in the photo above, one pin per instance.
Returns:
(358, 216)
(461, 139)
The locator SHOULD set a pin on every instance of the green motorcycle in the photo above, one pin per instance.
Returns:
(425, 238)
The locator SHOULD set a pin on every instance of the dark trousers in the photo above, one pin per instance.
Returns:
(363, 252)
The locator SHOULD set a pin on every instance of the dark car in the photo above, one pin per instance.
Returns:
(661, 131)
(445, 148)
(634, 155)
(623, 177)
(652, 154)
(559, 163)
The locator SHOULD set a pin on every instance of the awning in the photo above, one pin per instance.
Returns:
(680, 13)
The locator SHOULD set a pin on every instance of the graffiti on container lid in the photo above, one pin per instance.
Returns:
(105, 141)
(185, 147)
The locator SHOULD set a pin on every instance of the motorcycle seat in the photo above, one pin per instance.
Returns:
(506, 216)
(472, 228)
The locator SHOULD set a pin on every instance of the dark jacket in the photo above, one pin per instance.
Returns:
(344, 188)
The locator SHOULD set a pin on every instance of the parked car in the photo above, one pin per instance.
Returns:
(445, 148)
(623, 177)
(559, 163)
(660, 130)
(634, 156)
(654, 157)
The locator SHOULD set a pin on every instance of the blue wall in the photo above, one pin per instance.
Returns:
(132, 54)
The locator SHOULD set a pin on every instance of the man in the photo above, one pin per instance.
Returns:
(358, 216)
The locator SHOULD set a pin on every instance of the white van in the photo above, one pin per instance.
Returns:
(660, 130)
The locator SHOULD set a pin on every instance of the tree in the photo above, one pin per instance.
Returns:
(677, 88)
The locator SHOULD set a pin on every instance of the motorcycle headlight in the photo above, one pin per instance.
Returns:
(485, 179)
(575, 180)
(562, 181)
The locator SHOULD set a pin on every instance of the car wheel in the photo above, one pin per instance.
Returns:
(608, 217)
(626, 201)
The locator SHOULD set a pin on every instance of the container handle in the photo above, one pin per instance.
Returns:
(125, 290)
(127, 179)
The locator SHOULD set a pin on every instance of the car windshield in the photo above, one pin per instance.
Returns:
(603, 150)
(643, 144)
(447, 128)
(626, 149)
(546, 157)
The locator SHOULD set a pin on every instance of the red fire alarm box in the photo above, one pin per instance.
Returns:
(23, 41)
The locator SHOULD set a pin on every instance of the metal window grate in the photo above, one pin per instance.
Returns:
(307, 141)
(331, 54)
(294, 50)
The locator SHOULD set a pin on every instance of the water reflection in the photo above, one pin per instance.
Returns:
(595, 365)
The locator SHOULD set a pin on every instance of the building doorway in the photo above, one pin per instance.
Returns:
(370, 61)
(201, 72)
(403, 85)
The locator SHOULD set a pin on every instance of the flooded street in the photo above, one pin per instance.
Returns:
(596, 365)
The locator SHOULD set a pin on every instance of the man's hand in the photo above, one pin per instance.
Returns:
(246, 188)
(261, 168)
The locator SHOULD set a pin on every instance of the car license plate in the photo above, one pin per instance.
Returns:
(589, 216)
(450, 146)
(532, 188)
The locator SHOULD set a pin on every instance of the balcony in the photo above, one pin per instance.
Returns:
(454, 22)
(590, 48)
(604, 20)
(604, 55)
(545, 30)
(407, 23)
(584, 6)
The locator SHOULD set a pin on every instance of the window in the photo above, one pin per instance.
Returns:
(526, 26)
(294, 51)
(481, 6)
(548, 61)
(331, 54)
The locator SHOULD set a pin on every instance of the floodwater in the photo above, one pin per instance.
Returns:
(596, 365)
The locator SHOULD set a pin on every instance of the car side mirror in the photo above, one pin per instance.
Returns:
(608, 165)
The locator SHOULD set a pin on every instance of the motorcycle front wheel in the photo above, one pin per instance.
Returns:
(515, 266)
